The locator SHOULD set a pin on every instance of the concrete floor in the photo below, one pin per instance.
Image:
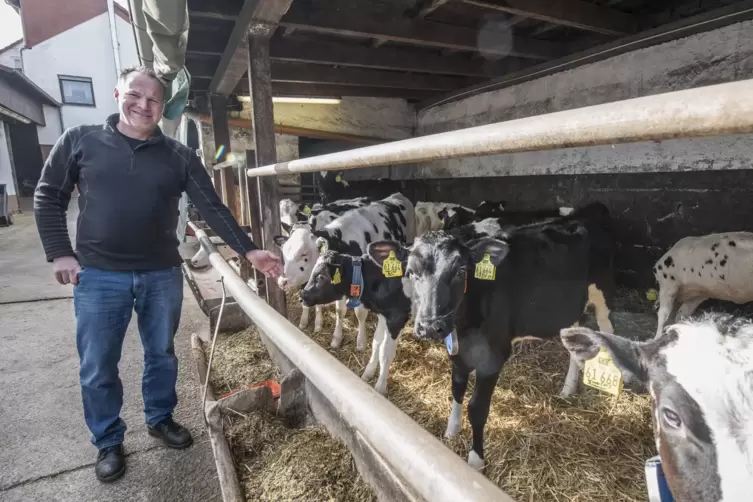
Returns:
(45, 453)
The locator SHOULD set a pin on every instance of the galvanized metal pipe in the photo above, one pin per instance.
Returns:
(432, 470)
(704, 111)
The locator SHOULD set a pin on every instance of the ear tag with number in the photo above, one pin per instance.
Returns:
(391, 267)
(355, 290)
(337, 278)
(485, 269)
(601, 373)
(306, 210)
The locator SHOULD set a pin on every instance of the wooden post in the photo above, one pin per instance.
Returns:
(223, 180)
(254, 221)
(262, 122)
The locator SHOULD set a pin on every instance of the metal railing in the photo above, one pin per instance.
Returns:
(432, 470)
(703, 111)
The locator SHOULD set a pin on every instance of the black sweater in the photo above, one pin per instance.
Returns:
(128, 199)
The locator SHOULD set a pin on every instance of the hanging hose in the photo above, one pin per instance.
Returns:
(211, 352)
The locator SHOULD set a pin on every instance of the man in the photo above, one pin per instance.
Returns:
(130, 178)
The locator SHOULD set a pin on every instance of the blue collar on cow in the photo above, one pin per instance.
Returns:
(356, 284)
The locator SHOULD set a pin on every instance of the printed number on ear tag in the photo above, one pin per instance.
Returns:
(392, 266)
(601, 373)
(336, 279)
(355, 290)
(306, 210)
(485, 269)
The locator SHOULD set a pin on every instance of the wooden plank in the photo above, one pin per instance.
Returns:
(306, 73)
(223, 179)
(365, 24)
(387, 58)
(216, 9)
(259, 15)
(262, 120)
(573, 13)
(740, 11)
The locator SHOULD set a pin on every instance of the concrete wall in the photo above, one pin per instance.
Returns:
(11, 55)
(84, 51)
(717, 56)
(6, 172)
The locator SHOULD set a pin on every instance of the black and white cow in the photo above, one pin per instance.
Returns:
(429, 215)
(487, 292)
(388, 297)
(456, 219)
(699, 268)
(700, 376)
(390, 218)
(297, 262)
(317, 215)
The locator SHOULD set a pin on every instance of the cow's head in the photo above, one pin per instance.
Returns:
(700, 376)
(453, 217)
(329, 280)
(490, 209)
(299, 253)
(439, 267)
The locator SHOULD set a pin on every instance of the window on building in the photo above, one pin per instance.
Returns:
(76, 90)
(17, 63)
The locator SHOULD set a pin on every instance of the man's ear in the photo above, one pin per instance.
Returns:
(380, 250)
(584, 344)
(495, 248)
(280, 240)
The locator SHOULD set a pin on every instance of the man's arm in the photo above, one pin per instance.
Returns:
(200, 189)
(51, 198)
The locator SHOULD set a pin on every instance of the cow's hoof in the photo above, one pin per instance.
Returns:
(368, 374)
(381, 388)
(453, 429)
(360, 347)
(475, 461)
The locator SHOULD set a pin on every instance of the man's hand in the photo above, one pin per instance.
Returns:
(265, 262)
(66, 269)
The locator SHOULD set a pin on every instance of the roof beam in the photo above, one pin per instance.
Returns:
(366, 24)
(258, 16)
(387, 58)
(574, 13)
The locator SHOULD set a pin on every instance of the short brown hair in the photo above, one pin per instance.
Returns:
(144, 70)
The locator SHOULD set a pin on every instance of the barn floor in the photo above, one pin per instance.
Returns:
(539, 447)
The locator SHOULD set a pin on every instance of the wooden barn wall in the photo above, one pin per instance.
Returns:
(650, 211)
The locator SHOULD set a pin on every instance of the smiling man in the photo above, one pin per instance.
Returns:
(130, 178)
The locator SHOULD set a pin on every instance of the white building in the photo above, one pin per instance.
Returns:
(10, 55)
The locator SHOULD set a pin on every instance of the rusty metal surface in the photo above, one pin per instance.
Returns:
(705, 111)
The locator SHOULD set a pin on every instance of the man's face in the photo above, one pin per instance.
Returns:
(140, 102)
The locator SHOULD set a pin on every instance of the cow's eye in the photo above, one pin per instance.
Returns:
(671, 418)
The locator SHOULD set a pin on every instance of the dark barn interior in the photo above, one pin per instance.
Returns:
(439, 51)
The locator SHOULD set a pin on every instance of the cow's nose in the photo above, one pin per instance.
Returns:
(430, 329)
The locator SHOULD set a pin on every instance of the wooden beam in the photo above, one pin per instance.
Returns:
(365, 24)
(260, 16)
(740, 11)
(223, 179)
(262, 120)
(430, 6)
(302, 131)
(387, 58)
(574, 13)
(216, 9)
(306, 73)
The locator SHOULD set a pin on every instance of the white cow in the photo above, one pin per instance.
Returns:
(699, 268)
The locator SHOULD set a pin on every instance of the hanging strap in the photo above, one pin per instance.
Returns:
(356, 284)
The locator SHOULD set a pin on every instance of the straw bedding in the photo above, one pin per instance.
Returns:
(539, 447)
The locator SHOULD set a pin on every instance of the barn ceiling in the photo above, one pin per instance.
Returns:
(427, 50)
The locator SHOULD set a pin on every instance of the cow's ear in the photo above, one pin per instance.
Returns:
(584, 344)
(380, 251)
(322, 245)
(280, 240)
(495, 249)
(286, 228)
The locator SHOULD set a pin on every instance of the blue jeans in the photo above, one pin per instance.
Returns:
(103, 302)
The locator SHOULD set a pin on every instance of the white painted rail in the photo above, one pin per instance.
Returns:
(704, 111)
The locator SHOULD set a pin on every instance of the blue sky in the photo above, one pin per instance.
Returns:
(10, 25)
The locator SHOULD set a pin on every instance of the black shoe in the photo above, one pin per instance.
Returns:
(110, 464)
(172, 433)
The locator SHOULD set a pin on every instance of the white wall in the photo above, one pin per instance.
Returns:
(129, 56)
(8, 56)
(82, 51)
(51, 131)
(6, 173)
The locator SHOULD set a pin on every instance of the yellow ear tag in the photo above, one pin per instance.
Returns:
(323, 248)
(338, 178)
(391, 267)
(601, 373)
(307, 210)
(485, 270)
(336, 279)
